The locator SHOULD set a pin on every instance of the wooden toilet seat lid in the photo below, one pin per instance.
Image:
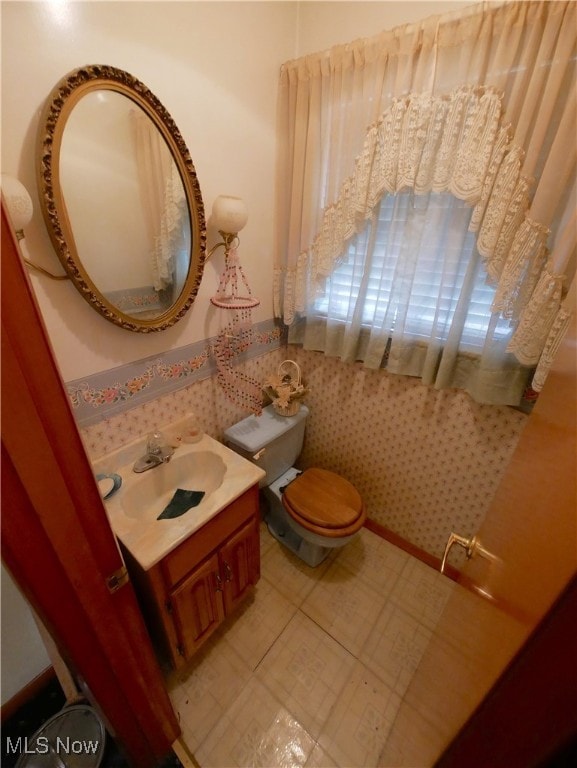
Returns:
(324, 499)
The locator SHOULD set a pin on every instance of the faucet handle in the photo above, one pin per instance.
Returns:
(156, 442)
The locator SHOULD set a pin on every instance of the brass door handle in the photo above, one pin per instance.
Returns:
(471, 546)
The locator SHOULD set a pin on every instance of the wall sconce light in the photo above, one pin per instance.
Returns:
(18, 202)
(20, 209)
(229, 216)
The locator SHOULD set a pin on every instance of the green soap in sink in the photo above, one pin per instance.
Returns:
(180, 503)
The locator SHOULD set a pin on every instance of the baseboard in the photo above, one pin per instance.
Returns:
(420, 554)
(27, 694)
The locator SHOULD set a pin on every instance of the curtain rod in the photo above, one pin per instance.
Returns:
(410, 27)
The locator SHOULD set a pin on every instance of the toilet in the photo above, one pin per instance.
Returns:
(310, 512)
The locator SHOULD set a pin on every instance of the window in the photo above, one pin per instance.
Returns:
(416, 268)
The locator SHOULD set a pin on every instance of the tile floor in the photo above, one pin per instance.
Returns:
(311, 671)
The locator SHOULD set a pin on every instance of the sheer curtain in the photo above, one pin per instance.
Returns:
(437, 160)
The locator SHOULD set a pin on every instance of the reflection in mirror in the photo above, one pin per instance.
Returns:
(121, 199)
(110, 144)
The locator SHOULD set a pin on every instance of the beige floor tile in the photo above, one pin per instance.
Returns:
(412, 742)
(359, 725)
(422, 592)
(178, 697)
(256, 731)
(395, 647)
(306, 670)
(266, 540)
(344, 606)
(321, 759)
(252, 629)
(289, 574)
(374, 560)
(279, 686)
(211, 685)
(188, 739)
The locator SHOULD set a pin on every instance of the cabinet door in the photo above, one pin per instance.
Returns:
(240, 559)
(197, 606)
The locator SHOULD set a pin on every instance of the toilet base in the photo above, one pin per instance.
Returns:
(311, 554)
(308, 546)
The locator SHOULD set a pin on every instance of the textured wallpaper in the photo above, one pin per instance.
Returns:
(427, 462)
(202, 397)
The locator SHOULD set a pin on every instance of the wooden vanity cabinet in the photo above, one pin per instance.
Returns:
(187, 595)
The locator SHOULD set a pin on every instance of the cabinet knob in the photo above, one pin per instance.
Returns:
(218, 582)
(227, 572)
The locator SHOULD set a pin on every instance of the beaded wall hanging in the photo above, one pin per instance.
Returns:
(236, 336)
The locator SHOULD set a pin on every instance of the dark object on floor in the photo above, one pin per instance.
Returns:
(32, 716)
(74, 736)
(28, 719)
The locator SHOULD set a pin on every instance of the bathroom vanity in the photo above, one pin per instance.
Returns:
(188, 594)
(191, 571)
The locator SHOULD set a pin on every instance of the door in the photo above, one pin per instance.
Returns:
(525, 559)
(197, 607)
(56, 540)
(240, 564)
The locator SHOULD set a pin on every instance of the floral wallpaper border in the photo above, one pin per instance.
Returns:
(116, 390)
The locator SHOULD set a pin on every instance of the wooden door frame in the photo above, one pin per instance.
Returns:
(529, 716)
(56, 539)
(530, 713)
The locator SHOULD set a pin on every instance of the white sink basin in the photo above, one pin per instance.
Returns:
(151, 491)
(133, 509)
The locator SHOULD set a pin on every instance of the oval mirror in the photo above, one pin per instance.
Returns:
(120, 198)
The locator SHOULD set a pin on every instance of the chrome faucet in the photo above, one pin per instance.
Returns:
(157, 452)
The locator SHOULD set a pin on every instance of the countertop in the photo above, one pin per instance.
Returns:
(148, 539)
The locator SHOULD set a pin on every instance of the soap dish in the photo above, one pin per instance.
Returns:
(108, 484)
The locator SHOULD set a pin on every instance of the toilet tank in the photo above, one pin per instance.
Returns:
(271, 441)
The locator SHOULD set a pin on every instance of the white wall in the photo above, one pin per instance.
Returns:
(24, 656)
(324, 24)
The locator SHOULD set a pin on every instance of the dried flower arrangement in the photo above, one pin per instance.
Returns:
(285, 388)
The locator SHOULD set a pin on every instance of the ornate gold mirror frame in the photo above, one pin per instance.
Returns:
(66, 95)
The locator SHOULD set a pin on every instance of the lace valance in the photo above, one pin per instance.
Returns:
(458, 144)
(455, 143)
(425, 143)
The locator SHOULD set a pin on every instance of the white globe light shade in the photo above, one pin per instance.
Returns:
(18, 201)
(229, 214)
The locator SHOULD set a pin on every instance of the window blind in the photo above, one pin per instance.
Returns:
(415, 267)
